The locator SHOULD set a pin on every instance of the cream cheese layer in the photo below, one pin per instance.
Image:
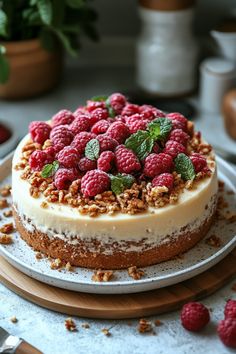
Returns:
(65, 222)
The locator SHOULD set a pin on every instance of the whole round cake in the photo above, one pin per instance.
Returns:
(113, 185)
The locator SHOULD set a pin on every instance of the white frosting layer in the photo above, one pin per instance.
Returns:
(65, 222)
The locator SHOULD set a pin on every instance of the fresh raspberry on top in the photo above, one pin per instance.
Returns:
(130, 109)
(105, 161)
(62, 117)
(178, 121)
(100, 127)
(107, 143)
(199, 161)
(180, 136)
(117, 102)
(64, 176)
(126, 160)
(39, 131)
(129, 120)
(80, 141)
(50, 151)
(194, 316)
(173, 148)
(94, 182)
(118, 131)
(138, 125)
(227, 332)
(98, 114)
(68, 157)
(80, 124)
(164, 180)
(155, 164)
(61, 136)
(80, 110)
(230, 309)
(149, 112)
(38, 159)
(92, 105)
(86, 164)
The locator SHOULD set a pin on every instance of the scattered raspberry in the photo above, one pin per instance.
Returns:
(86, 164)
(61, 136)
(92, 105)
(62, 117)
(180, 136)
(150, 112)
(63, 177)
(94, 182)
(105, 161)
(118, 131)
(194, 316)
(80, 124)
(178, 121)
(230, 309)
(155, 164)
(199, 162)
(68, 157)
(38, 159)
(80, 141)
(100, 127)
(173, 148)
(164, 180)
(130, 109)
(117, 102)
(126, 160)
(227, 332)
(107, 143)
(98, 114)
(138, 125)
(39, 131)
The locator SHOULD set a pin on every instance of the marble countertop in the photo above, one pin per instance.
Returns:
(45, 329)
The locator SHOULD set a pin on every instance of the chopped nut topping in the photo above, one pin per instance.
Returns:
(144, 326)
(13, 319)
(5, 191)
(56, 264)
(135, 273)
(5, 239)
(44, 205)
(3, 203)
(106, 332)
(7, 228)
(70, 324)
(213, 241)
(85, 325)
(7, 213)
(102, 275)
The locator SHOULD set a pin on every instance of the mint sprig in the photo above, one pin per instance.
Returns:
(92, 149)
(160, 128)
(120, 182)
(100, 98)
(50, 169)
(184, 166)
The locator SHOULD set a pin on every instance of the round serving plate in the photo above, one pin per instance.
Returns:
(197, 260)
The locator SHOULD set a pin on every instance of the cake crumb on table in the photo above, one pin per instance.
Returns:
(102, 275)
(144, 326)
(5, 239)
(7, 228)
(13, 319)
(56, 264)
(213, 241)
(3, 203)
(135, 273)
(106, 332)
(70, 324)
(158, 323)
(7, 213)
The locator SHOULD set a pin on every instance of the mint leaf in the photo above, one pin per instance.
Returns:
(184, 166)
(50, 169)
(141, 143)
(165, 126)
(154, 129)
(120, 182)
(92, 149)
(111, 111)
(101, 98)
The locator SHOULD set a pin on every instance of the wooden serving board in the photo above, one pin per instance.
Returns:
(119, 306)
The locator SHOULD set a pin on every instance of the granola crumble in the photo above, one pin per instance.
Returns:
(5, 191)
(3, 203)
(56, 264)
(144, 326)
(158, 323)
(70, 324)
(7, 228)
(106, 332)
(38, 255)
(135, 273)
(5, 239)
(13, 319)
(102, 275)
(213, 241)
(8, 213)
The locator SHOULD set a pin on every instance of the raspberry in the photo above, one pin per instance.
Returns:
(230, 309)
(227, 332)
(138, 125)
(194, 316)
(50, 151)
(107, 143)
(155, 164)
(134, 118)
(180, 136)
(165, 179)
(156, 148)
(130, 109)
(86, 164)
(92, 105)
(64, 176)
(62, 117)
(118, 131)
(80, 124)
(38, 159)
(199, 162)
(178, 121)
(117, 102)
(61, 136)
(80, 141)
(80, 110)
(173, 148)
(105, 161)
(98, 114)
(126, 160)
(5, 133)
(39, 131)
(150, 112)
(68, 157)
(100, 127)
(94, 182)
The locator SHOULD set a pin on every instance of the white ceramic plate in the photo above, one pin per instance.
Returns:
(195, 261)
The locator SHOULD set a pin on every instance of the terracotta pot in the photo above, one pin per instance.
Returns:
(33, 70)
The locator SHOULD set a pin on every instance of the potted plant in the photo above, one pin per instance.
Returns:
(33, 37)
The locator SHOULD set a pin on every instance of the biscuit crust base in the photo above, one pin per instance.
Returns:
(77, 254)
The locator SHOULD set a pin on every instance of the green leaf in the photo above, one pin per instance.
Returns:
(48, 40)
(66, 42)
(4, 67)
(165, 126)
(120, 182)
(3, 23)
(76, 4)
(154, 129)
(45, 11)
(100, 98)
(2, 49)
(92, 149)
(141, 143)
(111, 111)
(50, 169)
(184, 166)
